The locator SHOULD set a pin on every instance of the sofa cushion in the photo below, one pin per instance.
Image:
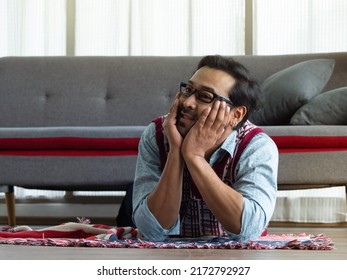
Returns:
(290, 88)
(328, 108)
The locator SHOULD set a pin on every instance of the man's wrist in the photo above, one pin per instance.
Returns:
(175, 154)
(192, 158)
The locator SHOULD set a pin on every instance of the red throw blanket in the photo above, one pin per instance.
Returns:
(71, 230)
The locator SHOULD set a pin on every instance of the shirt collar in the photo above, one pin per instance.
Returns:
(228, 146)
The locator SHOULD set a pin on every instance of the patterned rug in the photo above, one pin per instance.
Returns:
(84, 234)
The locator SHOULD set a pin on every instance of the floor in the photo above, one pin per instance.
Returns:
(337, 234)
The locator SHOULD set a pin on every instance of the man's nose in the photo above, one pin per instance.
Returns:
(190, 101)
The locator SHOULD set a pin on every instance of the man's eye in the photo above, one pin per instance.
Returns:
(189, 89)
(205, 96)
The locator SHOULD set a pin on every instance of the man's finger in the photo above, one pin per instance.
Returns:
(212, 114)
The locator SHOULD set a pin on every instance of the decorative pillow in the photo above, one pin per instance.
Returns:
(289, 89)
(328, 108)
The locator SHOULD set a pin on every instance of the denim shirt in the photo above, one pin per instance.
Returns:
(255, 179)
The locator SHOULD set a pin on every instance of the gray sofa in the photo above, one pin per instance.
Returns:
(73, 123)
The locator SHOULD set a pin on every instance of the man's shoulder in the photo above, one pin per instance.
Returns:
(149, 132)
(159, 120)
(263, 142)
(154, 130)
(252, 137)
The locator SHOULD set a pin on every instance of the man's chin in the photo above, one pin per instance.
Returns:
(182, 129)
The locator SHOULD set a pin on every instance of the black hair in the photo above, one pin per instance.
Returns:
(246, 91)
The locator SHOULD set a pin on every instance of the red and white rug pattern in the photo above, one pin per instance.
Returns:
(84, 234)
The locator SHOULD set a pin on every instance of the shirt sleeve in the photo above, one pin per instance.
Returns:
(256, 179)
(147, 175)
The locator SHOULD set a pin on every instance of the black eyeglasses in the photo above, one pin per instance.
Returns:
(204, 95)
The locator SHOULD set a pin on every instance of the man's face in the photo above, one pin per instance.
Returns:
(190, 108)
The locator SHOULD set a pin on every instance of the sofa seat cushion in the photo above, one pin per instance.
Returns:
(73, 141)
(310, 155)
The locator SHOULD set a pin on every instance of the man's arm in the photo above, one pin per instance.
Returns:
(165, 200)
(255, 182)
(147, 175)
(157, 195)
(226, 203)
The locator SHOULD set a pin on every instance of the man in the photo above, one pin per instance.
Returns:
(204, 169)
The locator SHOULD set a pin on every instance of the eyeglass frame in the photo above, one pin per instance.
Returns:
(197, 91)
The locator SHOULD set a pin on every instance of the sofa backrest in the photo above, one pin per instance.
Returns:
(112, 91)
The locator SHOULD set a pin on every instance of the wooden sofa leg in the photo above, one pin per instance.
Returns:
(11, 206)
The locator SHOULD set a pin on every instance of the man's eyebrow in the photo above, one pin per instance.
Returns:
(202, 87)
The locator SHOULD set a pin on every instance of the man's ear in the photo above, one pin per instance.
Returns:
(237, 114)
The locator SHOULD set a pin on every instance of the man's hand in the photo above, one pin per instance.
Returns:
(174, 137)
(208, 132)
